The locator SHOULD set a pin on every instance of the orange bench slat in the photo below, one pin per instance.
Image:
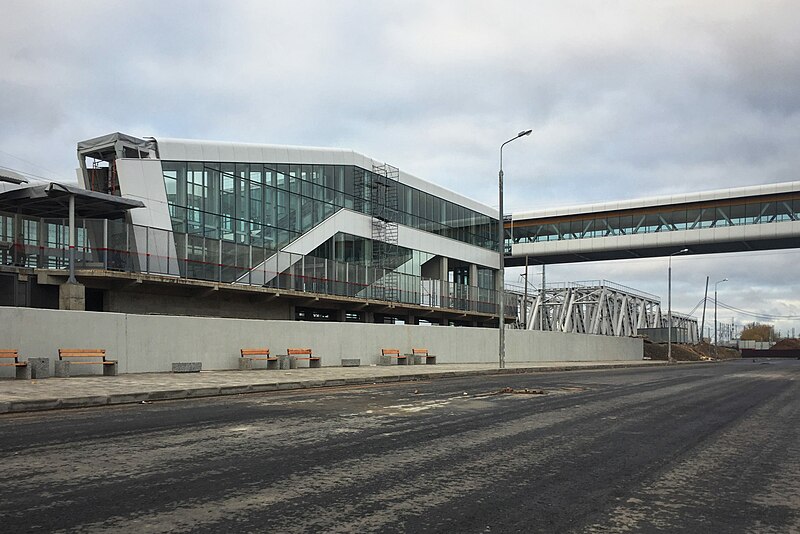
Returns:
(254, 352)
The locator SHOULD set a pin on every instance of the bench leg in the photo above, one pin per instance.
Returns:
(385, 360)
(315, 364)
(419, 360)
(62, 369)
(273, 364)
(245, 364)
(110, 370)
(23, 372)
(430, 360)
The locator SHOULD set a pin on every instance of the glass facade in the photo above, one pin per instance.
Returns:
(716, 214)
(269, 205)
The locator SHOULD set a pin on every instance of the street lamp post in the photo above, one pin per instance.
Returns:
(501, 298)
(669, 304)
(715, 308)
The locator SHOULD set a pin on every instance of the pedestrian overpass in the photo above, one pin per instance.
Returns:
(762, 217)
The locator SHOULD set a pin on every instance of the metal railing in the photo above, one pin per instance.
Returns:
(115, 245)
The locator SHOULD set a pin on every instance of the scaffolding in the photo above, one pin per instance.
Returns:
(383, 210)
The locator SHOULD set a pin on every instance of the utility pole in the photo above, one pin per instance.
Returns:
(703, 321)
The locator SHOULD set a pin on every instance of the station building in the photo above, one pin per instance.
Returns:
(185, 227)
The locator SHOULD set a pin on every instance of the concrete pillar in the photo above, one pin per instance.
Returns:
(444, 275)
(17, 251)
(72, 296)
(473, 287)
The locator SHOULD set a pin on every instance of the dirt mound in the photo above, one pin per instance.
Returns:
(787, 344)
(688, 353)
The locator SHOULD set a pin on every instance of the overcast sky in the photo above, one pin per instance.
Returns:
(626, 99)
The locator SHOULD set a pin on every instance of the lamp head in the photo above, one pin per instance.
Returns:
(524, 133)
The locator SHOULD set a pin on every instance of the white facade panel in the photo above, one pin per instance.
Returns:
(668, 200)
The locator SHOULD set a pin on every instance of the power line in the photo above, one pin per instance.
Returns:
(30, 163)
(755, 314)
(27, 174)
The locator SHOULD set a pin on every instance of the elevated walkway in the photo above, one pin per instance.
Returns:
(762, 217)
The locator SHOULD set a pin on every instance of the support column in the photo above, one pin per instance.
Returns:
(444, 271)
(18, 252)
(71, 279)
(71, 295)
(473, 287)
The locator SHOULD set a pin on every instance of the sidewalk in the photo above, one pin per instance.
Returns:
(81, 392)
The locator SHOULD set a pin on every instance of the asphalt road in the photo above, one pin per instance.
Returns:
(688, 448)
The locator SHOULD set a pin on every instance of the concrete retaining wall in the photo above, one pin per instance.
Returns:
(149, 343)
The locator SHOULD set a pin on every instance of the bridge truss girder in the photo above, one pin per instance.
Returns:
(603, 309)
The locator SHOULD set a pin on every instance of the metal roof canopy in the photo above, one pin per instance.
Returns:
(12, 177)
(114, 146)
(52, 201)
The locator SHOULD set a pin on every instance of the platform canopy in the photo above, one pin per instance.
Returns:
(52, 201)
(12, 177)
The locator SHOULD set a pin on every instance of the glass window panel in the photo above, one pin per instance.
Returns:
(339, 178)
(227, 199)
(282, 177)
(651, 223)
(194, 220)
(739, 214)
(242, 199)
(768, 212)
(255, 196)
(349, 181)
(693, 218)
(678, 219)
(573, 229)
(613, 222)
(784, 210)
(723, 216)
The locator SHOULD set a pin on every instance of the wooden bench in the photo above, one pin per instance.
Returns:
(22, 369)
(422, 357)
(296, 355)
(393, 357)
(257, 355)
(87, 357)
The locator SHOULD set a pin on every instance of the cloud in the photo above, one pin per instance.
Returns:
(626, 99)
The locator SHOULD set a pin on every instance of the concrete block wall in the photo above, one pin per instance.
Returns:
(151, 343)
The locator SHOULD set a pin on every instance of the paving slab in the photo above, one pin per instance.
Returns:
(87, 391)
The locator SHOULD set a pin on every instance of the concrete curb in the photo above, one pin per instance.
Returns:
(89, 401)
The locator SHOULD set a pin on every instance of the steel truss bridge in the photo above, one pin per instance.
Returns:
(598, 307)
